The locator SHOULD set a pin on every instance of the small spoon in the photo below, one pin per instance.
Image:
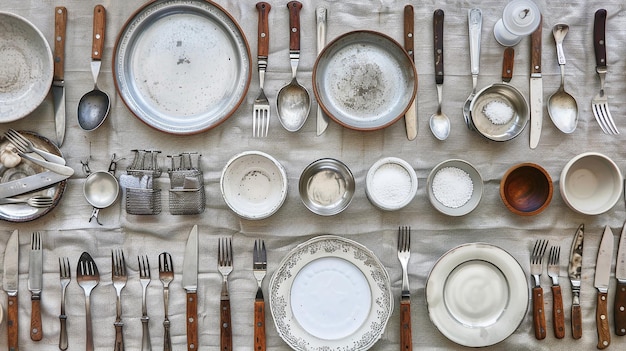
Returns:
(94, 106)
(293, 100)
(439, 122)
(562, 106)
(475, 22)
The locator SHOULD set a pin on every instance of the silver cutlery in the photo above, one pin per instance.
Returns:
(439, 122)
(619, 311)
(166, 275)
(599, 104)
(34, 201)
(225, 267)
(144, 279)
(65, 276)
(536, 87)
(119, 278)
(35, 284)
(190, 284)
(575, 276)
(475, 26)
(554, 269)
(10, 284)
(536, 265)
(601, 283)
(22, 144)
(261, 107)
(58, 80)
(88, 278)
(320, 19)
(54, 167)
(259, 269)
(404, 254)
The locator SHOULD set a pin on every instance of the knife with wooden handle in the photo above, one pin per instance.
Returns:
(410, 117)
(575, 275)
(601, 282)
(619, 311)
(536, 87)
(58, 82)
(10, 283)
(190, 284)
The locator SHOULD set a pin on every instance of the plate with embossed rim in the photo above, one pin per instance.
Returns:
(330, 293)
(477, 294)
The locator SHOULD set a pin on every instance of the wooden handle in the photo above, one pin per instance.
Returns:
(577, 322)
(294, 24)
(192, 321)
(119, 337)
(602, 321)
(599, 42)
(620, 309)
(36, 333)
(99, 27)
(60, 23)
(226, 331)
(539, 317)
(264, 29)
(259, 325)
(535, 49)
(406, 336)
(438, 44)
(12, 323)
(409, 31)
(507, 64)
(558, 319)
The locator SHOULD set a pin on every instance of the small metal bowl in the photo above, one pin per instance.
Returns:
(526, 189)
(326, 187)
(477, 188)
(507, 95)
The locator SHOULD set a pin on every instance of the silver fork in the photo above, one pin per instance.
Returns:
(119, 278)
(536, 259)
(261, 107)
(404, 254)
(34, 201)
(259, 269)
(225, 267)
(599, 104)
(65, 276)
(166, 275)
(144, 279)
(554, 269)
(87, 277)
(25, 146)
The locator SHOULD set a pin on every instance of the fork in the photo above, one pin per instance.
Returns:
(166, 275)
(119, 278)
(65, 276)
(536, 260)
(88, 278)
(404, 254)
(25, 146)
(225, 267)
(558, 320)
(144, 279)
(34, 201)
(261, 107)
(259, 268)
(599, 104)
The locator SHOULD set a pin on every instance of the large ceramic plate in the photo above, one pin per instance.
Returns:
(25, 67)
(477, 295)
(330, 293)
(182, 66)
(364, 80)
(23, 212)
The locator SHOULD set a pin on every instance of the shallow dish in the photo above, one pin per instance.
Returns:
(526, 189)
(591, 183)
(391, 183)
(457, 190)
(254, 185)
(326, 186)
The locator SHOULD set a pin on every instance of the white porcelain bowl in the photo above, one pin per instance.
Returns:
(391, 183)
(591, 183)
(445, 190)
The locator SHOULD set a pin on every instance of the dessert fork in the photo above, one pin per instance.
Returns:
(87, 277)
(119, 278)
(536, 259)
(65, 276)
(404, 254)
(261, 107)
(166, 275)
(259, 268)
(225, 267)
(558, 319)
(24, 145)
(144, 279)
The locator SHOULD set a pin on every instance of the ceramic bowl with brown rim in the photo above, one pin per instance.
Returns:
(526, 189)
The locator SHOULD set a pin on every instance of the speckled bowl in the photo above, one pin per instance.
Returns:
(477, 193)
(526, 189)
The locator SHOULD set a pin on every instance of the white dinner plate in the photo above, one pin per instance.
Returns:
(477, 294)
(330, 293)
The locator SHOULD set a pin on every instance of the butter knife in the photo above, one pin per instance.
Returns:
(410, 117)
(575, 272)
(30, 183)
(190, 284)
(10, 283)
(601, 283)
(58, 82)
(321, 12)
(35, 283)
(620, 291)
(54, 167)
(536, 87)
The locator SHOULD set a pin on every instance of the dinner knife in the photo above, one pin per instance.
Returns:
(190, 284)
(54, 167)
(601, 282)
(536, 87)
(58, 82)
(620, 292)
(10, 284)
(575, 272)
(321, 12)
(30, 183)
(410, 117)
(35, 283)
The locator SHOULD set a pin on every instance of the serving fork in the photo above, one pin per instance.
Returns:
(88, 278)
(554, 269)
(536, 259)
(25, 146)
(259, 269)
(144, 279)
(166, 275)
(599, 104)
(225, 267)
(261, 107)
(404, 254)
(119, 278)
(65, 277)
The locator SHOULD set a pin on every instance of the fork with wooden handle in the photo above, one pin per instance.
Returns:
(539, 317)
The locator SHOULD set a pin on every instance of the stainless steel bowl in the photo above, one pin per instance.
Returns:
(511, 97)
(326, 187)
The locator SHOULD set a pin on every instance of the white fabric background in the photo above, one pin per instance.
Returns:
(68, 233)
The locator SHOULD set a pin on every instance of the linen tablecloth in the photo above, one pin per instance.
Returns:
(67, 232)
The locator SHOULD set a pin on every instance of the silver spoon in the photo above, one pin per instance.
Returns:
(293, 100)
(562, 106)
(439, 122)
(475, 22)
(94, 106)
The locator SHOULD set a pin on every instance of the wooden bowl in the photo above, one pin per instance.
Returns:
(526, 189)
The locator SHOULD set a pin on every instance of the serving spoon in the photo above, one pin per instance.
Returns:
(439, 122)
(562, 106)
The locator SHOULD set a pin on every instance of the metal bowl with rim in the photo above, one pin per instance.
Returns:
(505, 95)
(326, 186)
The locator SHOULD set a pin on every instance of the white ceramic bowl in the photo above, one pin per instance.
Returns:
(450, 202)
(591, 183)
(254, 185)
(391, 183)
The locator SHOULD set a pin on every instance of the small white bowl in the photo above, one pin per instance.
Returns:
(391, 184)
(254, 185)
(591, 183)
(451, 209)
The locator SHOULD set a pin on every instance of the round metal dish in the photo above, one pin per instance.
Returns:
(182, 67)
(364, 80)
(326, 187)
(26, 67)
(507, 95)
